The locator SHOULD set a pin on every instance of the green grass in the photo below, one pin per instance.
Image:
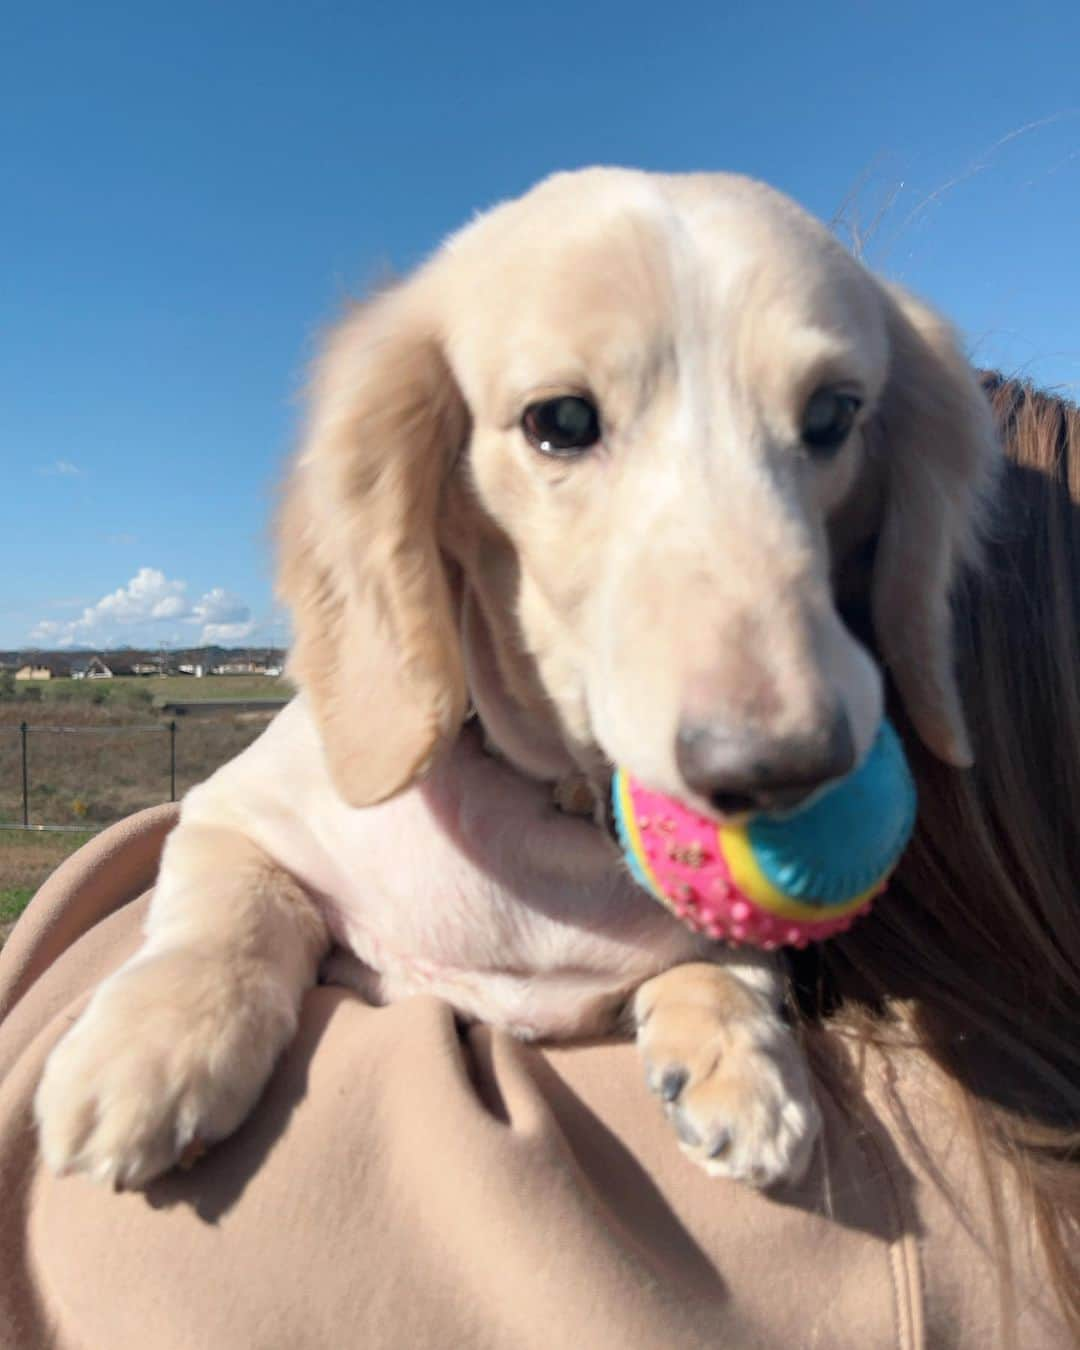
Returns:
(27, 858)
(147, 688)
(220, 686)
(13, 901)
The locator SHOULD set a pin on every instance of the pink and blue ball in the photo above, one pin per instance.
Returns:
(774, 880)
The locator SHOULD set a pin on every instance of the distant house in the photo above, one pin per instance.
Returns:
(32, 672)
(195, 668)
(121, 665)
(239, 668)
(91, 668)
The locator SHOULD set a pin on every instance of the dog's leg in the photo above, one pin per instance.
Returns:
(731, 1075)
(175, 1047)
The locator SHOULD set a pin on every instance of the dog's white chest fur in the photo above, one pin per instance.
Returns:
(472, 886)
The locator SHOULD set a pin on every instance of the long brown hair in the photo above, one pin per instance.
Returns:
(976, 957)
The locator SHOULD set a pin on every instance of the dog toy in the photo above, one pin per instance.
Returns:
(775, 880)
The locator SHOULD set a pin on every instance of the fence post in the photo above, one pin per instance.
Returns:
(172, 761)
(23, 731)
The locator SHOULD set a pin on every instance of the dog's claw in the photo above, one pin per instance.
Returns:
(672, 1083)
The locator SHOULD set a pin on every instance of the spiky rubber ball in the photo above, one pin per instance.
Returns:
(774, 880)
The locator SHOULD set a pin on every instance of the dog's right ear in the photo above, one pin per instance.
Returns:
(939, 453)
(376, 649)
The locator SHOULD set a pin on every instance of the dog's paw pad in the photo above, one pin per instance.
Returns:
(737, 1092)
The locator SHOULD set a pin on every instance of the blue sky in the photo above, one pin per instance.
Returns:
(191, 190)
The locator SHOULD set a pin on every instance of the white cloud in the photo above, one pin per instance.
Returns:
(227, 632)
(224, 617)
(50, 632)
(148, 595)
(134, 613)
(220, 606)
(62, 468)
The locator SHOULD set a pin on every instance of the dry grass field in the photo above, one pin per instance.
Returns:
(98, 754)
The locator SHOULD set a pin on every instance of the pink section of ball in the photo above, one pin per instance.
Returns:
(682, 850)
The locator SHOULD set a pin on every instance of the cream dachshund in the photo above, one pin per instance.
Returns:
(573, 495)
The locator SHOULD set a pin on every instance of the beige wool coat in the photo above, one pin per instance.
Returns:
(406, 1184)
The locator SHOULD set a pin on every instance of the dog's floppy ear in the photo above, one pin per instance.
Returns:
(938, 455)
(375, 648)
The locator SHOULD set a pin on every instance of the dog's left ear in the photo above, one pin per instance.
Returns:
(938, 455)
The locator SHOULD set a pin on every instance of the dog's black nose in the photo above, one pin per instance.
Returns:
(744, 772)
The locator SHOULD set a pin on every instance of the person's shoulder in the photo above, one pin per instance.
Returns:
(964, 1253)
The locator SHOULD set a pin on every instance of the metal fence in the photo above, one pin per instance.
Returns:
(92, 772)
(35, 736)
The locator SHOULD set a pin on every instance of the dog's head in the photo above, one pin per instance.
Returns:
(594, 467)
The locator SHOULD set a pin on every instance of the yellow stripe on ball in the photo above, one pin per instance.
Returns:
(633, 843)
(738, 852)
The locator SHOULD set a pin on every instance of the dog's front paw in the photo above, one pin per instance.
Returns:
(171, 1053)
(733, 1080)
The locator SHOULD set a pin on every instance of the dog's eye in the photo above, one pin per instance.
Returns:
(561, 426)
(827, 420)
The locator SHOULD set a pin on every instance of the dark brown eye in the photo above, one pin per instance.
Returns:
(564, 426)
(827, 421)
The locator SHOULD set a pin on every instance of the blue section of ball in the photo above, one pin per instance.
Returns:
(847, 839)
